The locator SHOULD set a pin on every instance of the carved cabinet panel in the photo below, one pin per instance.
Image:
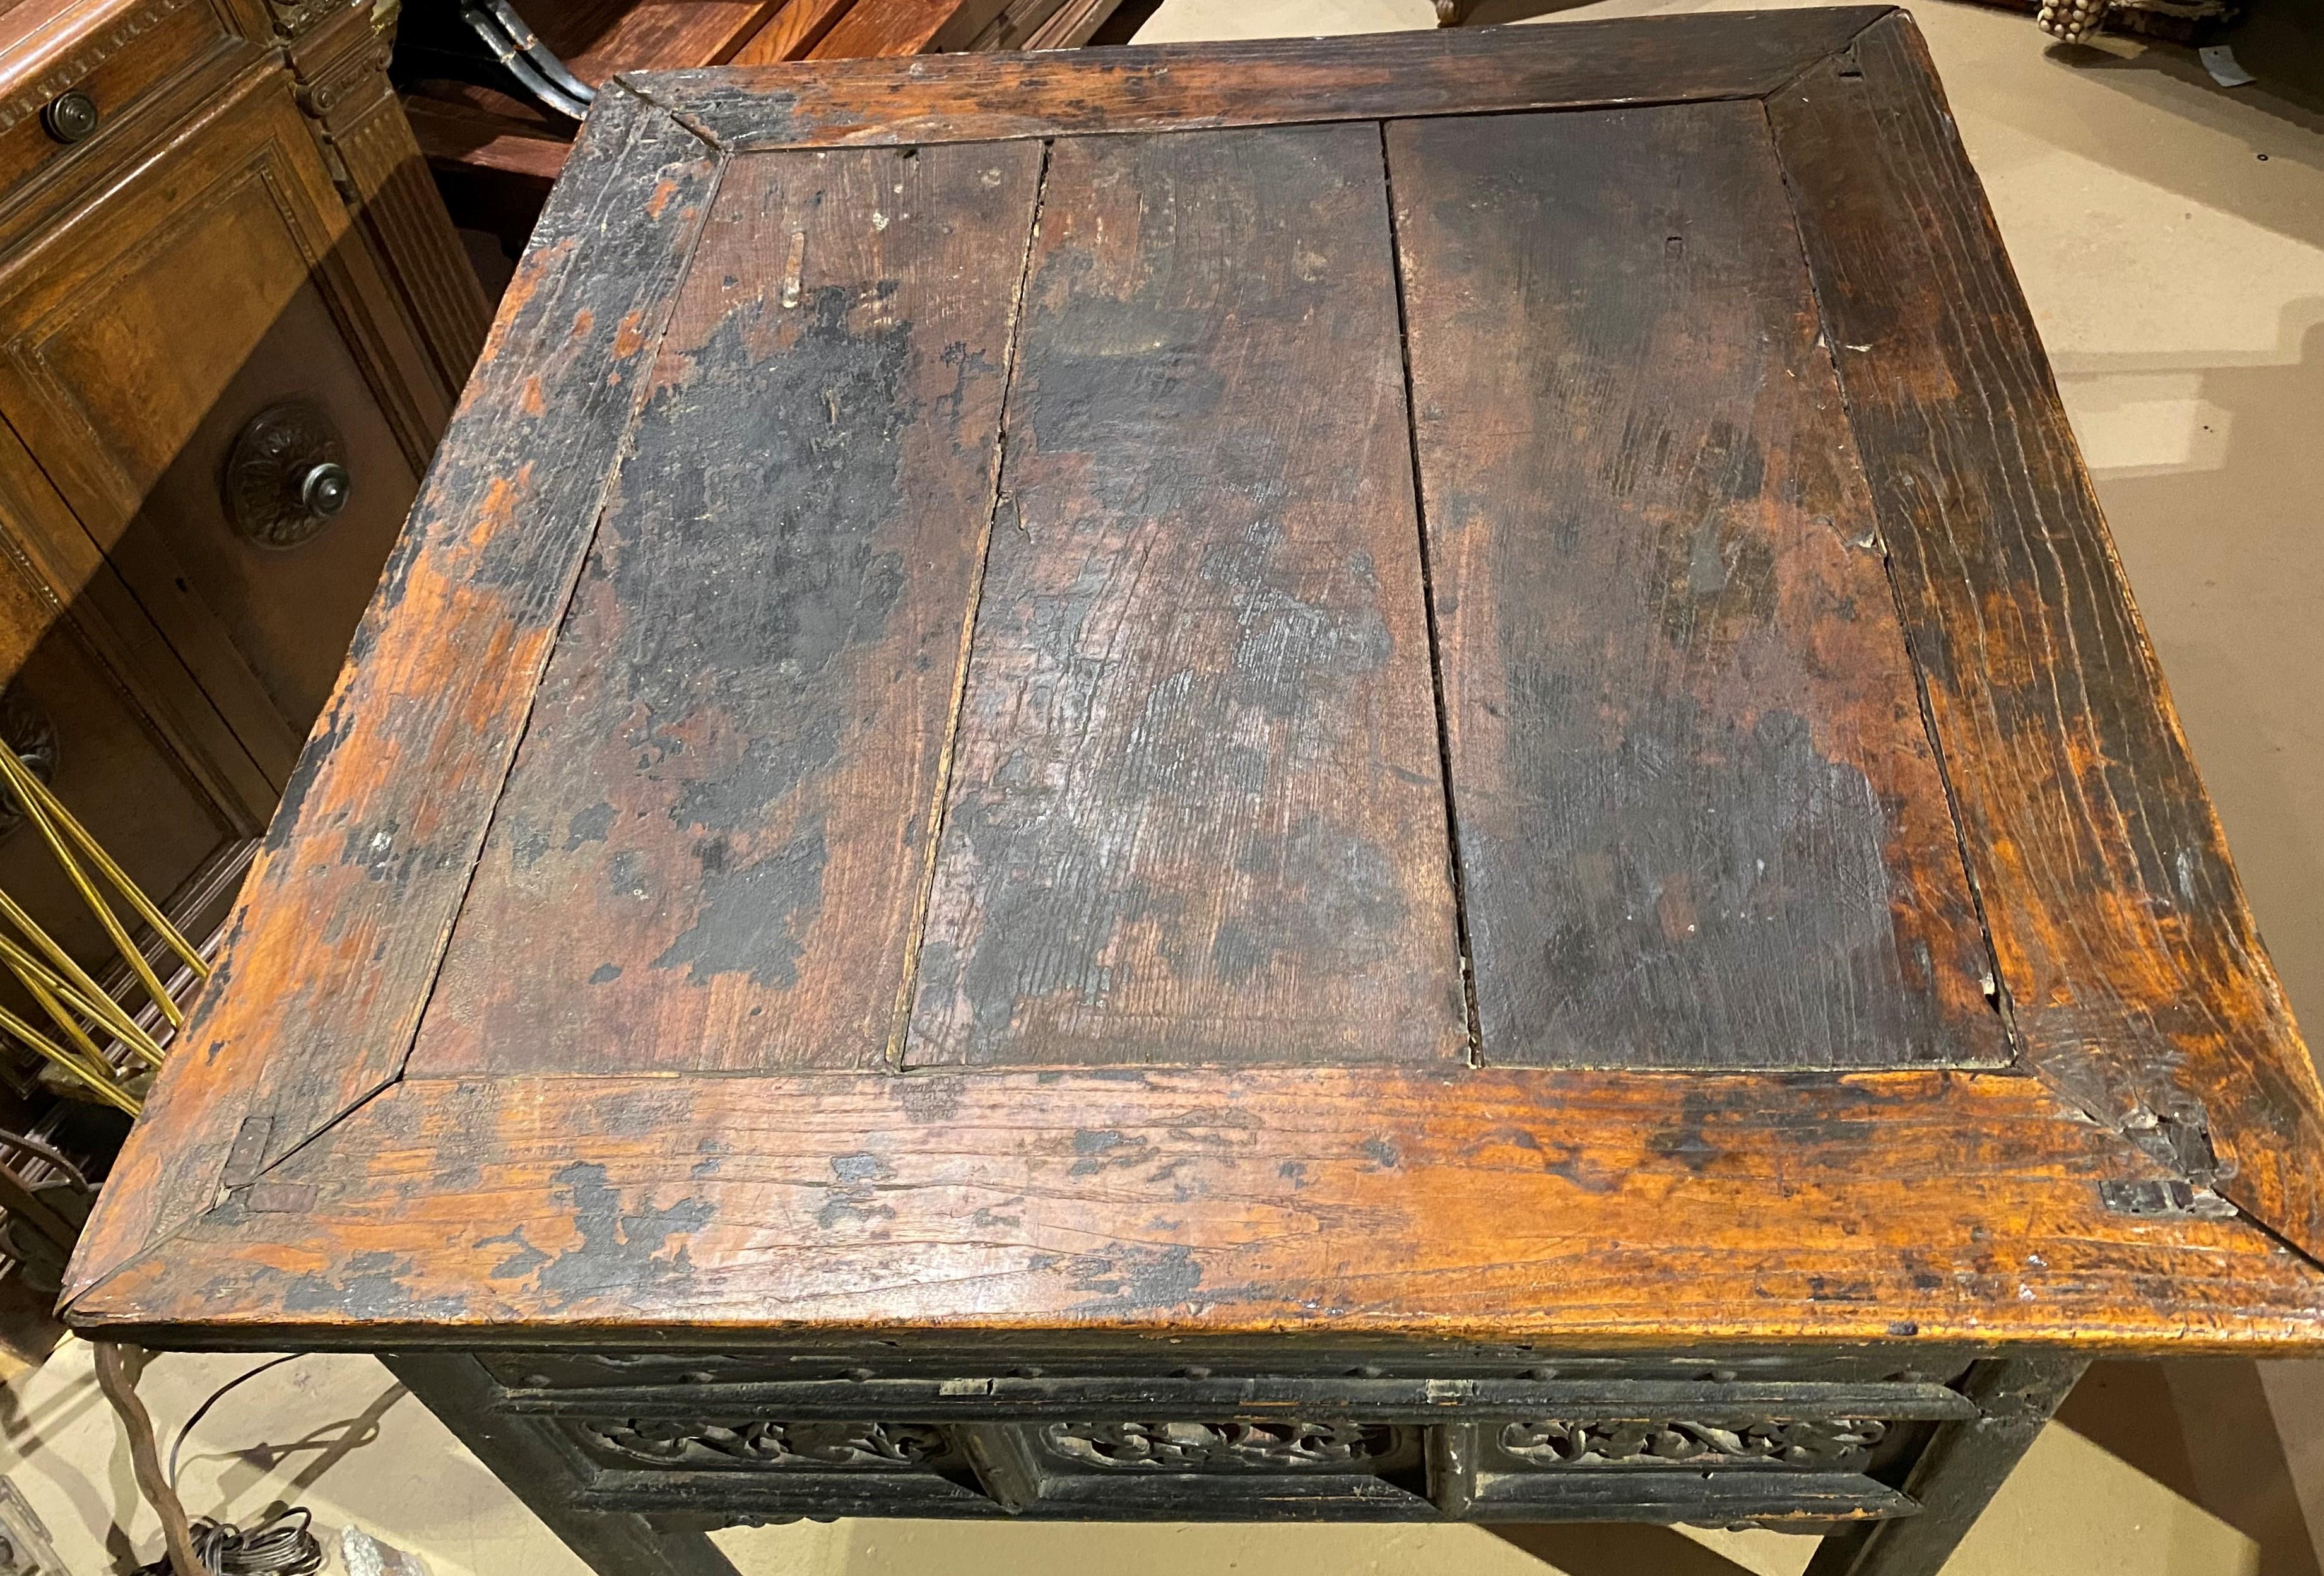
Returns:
(220, 377)
(137, 406)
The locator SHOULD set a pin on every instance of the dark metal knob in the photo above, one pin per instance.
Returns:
(287, 477)
(324, 488)
(70, 116)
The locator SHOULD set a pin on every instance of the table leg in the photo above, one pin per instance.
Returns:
(1959, 1473)
(455, 1387)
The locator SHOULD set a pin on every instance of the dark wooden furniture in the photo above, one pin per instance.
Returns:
(496, 147)
(1243, 781)
(222, 266)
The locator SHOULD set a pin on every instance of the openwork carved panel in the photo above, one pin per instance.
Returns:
(1264, 1447)
(1833, 1445)
(675, 1442)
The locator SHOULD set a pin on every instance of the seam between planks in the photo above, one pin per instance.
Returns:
(2059, 1081)
(899, 1027)
(910, 136)
(1800, 75)
(1996, 987)
(1428, 608)
(564, 611)
(623, 449)
(627, 81)
(2024, 1061)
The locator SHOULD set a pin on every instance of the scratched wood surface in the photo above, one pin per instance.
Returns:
(1310, 1153)
(1415, 1203)
(1196, 813)
(2134, 972)
(342, 920)
(711, 849)
(905, 27)
(1700, 821)
(1141, 88)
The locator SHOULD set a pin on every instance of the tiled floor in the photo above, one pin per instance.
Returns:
(2170, 236)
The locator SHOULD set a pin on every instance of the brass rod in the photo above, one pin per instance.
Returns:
(131, 892)
(36, 812)
(101, 1008)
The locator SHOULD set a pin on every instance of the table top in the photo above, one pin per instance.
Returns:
(1436, 686)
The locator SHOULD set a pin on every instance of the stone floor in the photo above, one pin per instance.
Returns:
(2170, 236)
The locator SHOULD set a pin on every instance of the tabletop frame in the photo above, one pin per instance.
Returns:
(2146, 1176)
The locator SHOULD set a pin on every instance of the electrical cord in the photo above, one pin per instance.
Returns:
(217, 1396)
(283, 1545)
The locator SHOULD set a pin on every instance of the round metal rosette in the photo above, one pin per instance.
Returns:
(287, 476)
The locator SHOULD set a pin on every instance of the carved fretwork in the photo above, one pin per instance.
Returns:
(663, 1443)
(1834, 1445)
(296, 18)
(1269, 1447)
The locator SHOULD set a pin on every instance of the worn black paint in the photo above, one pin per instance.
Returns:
(1187, 683)
(1672, 858)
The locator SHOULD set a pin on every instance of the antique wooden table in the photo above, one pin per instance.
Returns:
(1390, 778)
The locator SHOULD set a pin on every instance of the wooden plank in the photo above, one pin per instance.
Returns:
(1700, 821)
(595, 42)
(905, 27)
(1196, 809)
(1376, 1400)
(793, 32)
(1185, 86)
(1577, 1212)
(458, 136)
(1016, 23)
(711, 851)
(1073, 25)
(344, 914)
(2134, 972)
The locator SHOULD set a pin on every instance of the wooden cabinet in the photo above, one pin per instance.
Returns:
(221, 267)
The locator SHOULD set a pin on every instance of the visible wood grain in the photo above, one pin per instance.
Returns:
(305, 1191)
(1579, 1211)
(597, 40)
(1014, 24)
(132, 405)
(1196, 812)
(905, 27)
(344, 914)
(711, 851)
(123, 56)
(1072, 24)
(458, 136)
(342, 70)
(793, 30)
(1699, 822)
(2137, 981)
(1184, 86)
